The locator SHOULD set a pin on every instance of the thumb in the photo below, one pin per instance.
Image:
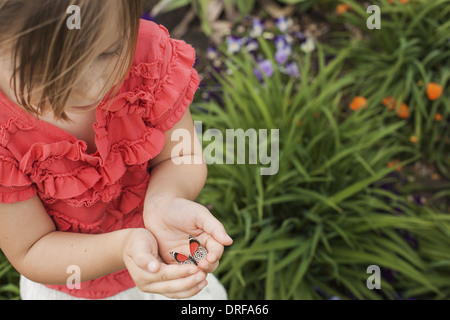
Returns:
(213, 227)
(154, 265)
(147, 261)
(145, 253)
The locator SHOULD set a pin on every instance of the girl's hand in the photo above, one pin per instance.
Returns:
(140, 254)
(172, 220)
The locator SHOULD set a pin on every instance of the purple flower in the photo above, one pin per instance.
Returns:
(388, 274)
(212, 53)
(264, 67)
(292, 70)
(282, 24)
(147, 16)
(234, 44)
(252, 45)
(283, 54)
(411, 239)
(418, 199)
(308, 46)
(335, 298)
(257, 29)
(300, 36)
(203, 110)
(280, 42)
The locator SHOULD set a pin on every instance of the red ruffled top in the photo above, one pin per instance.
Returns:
(101, 192)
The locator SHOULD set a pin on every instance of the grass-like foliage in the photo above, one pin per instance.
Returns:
(312, 230)
(351, 112)
(9, 280)
(400, 60)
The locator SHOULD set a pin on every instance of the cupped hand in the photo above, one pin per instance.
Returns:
(172, 220)
(151, 275)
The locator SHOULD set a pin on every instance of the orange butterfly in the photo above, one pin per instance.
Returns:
(197, 253)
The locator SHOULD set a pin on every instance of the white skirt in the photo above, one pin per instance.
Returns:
(30, 290)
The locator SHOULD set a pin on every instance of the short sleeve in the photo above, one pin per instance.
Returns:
(177, 83)
(15, 186)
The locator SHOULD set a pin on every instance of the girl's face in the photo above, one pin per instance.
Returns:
(95, 81)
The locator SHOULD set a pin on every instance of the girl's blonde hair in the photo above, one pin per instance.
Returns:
(50, 56)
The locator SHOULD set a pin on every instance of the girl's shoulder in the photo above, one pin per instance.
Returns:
(159, 52)
(152, 42)
(162, 76)
(150, 28)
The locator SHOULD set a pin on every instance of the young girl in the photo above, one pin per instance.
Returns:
(88, 188)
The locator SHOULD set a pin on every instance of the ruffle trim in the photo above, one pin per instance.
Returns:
(177, 88)
(10, 195)
(115, 282)
(160, 103)
(149, 71)
(173, 116)
(102, 178)
(15, 186)
(10, 175)
(162, 91)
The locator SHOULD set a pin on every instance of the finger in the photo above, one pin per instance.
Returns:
(179, 288)
(212, 226)
(146, 261)
(174, 272)
(165, 273)
(154, 265)
(143, 252)
(207, 266)
(144, 278)
(215, 250)
(188, 293)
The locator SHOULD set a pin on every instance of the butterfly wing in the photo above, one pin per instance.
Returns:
(181, 258)
(197, 252)
(193, 244)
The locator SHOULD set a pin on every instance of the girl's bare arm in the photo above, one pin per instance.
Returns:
(29, 240)
(31, 243)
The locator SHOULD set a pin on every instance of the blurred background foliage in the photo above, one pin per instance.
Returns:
(364, 138)
(364, 146)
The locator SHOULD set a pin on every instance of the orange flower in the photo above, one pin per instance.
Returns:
(343, 8)
(404, 1)
(387, 100)
(438, 117)
(358, 103)
(391, 1)
(390, 102)
(403, 111)
(434, 91)
(393, 163)
(413, 139)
